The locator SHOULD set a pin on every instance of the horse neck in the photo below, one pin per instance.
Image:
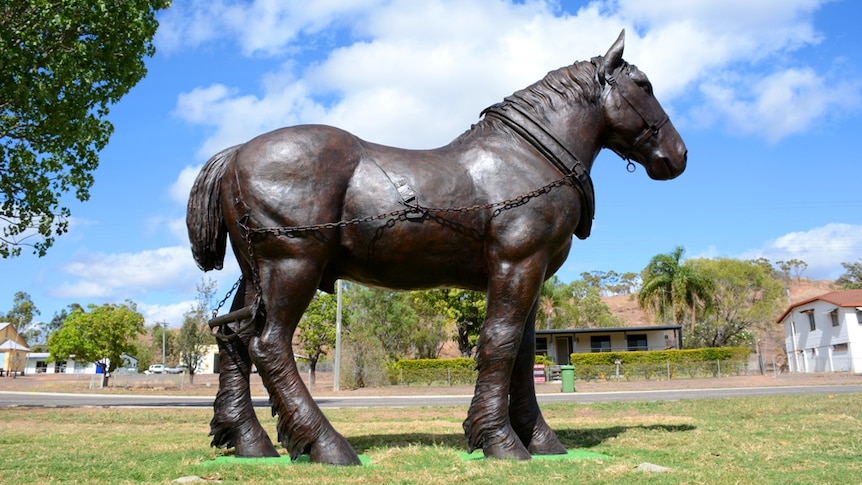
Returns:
(568, 110)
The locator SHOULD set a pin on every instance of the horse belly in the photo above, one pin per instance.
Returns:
(397, 252)
(412, 256)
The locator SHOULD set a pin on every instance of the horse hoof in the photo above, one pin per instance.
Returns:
(545, 442)
(507, 448)
(341, 454)
(258, 449)
(551, 447)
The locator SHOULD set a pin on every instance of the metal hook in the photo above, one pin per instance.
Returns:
(631, 167)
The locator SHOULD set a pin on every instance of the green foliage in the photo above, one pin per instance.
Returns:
(21, 317)
(460, 370)
(387, 315)
(544, 360)
(317, 329)
(162, 341)
(363, 359)
(99, 336)
(674, 290)
(463, 309)
(649, 364)
(195, 335)
(576, 305)
(64, 62)
(746, 297)
(792, 268)
(661, 356)
(852, 277)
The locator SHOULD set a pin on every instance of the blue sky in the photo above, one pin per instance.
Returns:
(766, 94)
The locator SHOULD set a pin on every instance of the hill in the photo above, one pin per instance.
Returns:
(771, 340)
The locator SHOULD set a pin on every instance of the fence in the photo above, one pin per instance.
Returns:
(661, 371)
(624, 372)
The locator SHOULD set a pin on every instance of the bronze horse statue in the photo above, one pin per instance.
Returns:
(493, 211)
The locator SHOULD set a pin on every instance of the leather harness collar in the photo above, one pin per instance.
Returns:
(544, 140)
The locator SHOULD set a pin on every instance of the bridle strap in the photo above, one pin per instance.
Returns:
(651, 128)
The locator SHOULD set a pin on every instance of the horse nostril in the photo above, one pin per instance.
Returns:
(685, 156)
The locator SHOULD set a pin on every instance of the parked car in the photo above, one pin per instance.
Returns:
(178, 369)
(155, 369)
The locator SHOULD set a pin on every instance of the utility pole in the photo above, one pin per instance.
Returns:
(164, 331)
(337, 384)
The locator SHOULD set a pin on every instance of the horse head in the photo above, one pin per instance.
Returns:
(638, 127)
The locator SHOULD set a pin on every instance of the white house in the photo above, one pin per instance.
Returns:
(560, 344)
(824, 333)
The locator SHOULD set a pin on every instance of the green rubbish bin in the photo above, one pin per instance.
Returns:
(568, 374)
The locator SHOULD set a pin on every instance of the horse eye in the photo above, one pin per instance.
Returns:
(646, 86)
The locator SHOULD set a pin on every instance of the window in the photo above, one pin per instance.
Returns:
(541, 346)
(811, 324)
(859, 316)
(600, 343)
(637, 342)
(834, 316)
(839, 347)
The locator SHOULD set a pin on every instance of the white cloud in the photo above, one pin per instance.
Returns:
(780, 104)
(822, 248)
(394, 66)
(172, 314)
(264, 27)
(124, 275)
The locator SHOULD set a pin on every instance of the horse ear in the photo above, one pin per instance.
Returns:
(614, 57)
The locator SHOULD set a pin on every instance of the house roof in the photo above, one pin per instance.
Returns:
(841, 298)
(12, 345)
(609, 330)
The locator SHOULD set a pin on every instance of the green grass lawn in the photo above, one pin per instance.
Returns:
(783, 439)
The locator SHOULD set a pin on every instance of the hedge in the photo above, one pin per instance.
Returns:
(711, 354)
(666, 363)
(460, 370)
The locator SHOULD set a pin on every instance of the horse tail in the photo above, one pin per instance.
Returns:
(204, 218)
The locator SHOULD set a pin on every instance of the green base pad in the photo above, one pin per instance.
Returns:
(570, 455)
(365, 460)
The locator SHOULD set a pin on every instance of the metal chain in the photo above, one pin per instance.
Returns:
(402, 214)
(224, 300)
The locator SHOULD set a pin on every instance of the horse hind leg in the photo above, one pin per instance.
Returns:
(288, 286)
(524, 412)
(234, 423)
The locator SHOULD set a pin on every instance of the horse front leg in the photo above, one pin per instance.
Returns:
(288, 286)
(524, 412)
(234, 423)
(510, 299)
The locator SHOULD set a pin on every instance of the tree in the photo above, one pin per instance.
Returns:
(463, 309)
(163, 347)
(389, 317)
(792, 268)
(586, 309)
(673, 289)
(746, 297)
(21, 316)
(431, 328)
(317, 329)
(100, 336)
(64, 62)
(195, 335)
(852, 277)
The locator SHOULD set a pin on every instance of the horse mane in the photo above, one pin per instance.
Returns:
(575, 83)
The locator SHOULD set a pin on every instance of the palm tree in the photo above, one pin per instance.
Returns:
(671, 288)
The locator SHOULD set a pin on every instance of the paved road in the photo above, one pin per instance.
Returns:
(45, 399)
